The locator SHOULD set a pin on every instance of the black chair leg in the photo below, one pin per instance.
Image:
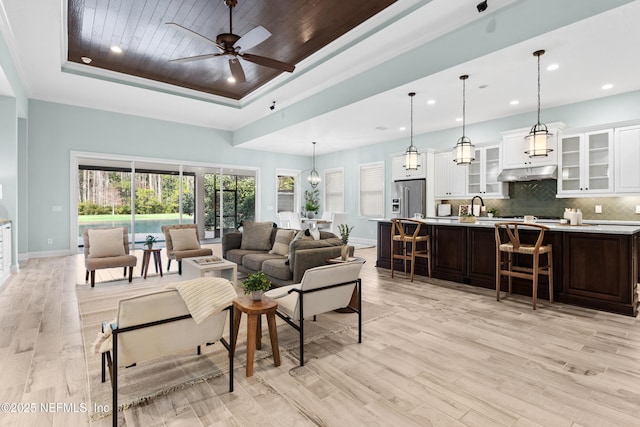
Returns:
(180, 268)
(93, 278)
(130, 273)
(168, 264)
(86, 276)
(125, 272)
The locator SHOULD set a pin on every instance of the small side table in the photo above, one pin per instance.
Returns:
(254, 309)
(157, 261)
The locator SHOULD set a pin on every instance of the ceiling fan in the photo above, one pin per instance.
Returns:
(226, 44)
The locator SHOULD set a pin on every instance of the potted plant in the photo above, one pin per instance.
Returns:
(311, 202)
(344, 231)
(491, 212)
(149, 241)
(255, 284)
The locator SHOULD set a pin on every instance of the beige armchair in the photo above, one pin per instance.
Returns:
(107, 248)
(322, 289)
(182, 241)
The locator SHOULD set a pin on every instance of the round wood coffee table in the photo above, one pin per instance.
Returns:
(253, 310)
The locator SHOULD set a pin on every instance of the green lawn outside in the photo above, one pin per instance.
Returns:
(101, 218)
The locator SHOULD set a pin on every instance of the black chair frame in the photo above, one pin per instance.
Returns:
(300, 327)
(113, 362)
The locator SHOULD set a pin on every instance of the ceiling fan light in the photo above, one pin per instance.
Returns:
(464, 152)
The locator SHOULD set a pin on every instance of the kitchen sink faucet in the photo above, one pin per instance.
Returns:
(481, 205)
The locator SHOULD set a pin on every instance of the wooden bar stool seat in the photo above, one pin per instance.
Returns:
(409, 250)
(508, 241)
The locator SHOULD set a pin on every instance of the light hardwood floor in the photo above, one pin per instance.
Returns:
(452, 356)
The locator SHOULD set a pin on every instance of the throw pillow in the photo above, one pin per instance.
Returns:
(184, 239)
(315, 233)
(301, 235)
(281, 245)
(256, 236)
(105, 243)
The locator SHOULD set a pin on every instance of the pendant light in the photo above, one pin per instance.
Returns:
(539, 134)
(464, 152)
(314, 176)
(411, 155)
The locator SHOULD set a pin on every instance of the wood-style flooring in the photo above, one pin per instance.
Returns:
(452, 356)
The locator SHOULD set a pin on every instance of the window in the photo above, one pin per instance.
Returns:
(287, 190)
(334, 190)
(371, 202)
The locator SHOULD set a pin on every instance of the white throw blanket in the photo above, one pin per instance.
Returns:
(205, 296)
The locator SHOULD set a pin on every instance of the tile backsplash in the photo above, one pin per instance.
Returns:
(539, 198)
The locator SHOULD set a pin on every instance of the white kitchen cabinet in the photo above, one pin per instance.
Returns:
(585, 164)
(482, 178)
(514, 146)
(450, 179)
(627, 159)
(398, 172)
(5, 252)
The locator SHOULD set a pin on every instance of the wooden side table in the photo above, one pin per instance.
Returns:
(157, 261)
(254, 309)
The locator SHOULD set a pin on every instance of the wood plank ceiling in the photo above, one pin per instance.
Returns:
(299, 28)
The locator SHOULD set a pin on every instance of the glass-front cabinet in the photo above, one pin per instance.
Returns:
(483, 174)
(585, 164)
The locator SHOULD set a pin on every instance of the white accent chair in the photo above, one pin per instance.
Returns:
(322, 289)
(291, 220)
(154, 325)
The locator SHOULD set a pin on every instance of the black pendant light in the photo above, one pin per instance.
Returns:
(464, 152)
(539, 135)
(314, 176)
(411, 155)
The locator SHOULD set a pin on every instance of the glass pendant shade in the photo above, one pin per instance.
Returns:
(464, 152)
(539, 135)
(411, 154)
(314, 176)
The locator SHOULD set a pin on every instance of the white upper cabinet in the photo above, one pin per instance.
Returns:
(482, 178)
(398, 172)
(627, 160)
(585, 164)
(514, 146)
(450, 179)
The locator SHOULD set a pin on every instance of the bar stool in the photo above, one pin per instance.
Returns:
(513, 245)
(409, 244)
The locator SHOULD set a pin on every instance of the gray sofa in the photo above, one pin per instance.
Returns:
(282, 270)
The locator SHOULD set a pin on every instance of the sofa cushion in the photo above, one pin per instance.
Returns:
(253, 261)
(236, 255)
(277, 268)
(184, 239)
(281, 244)
(106, 243)
(256, 236)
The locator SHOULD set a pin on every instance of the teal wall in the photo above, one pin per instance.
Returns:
(9, 164)
(55, 130)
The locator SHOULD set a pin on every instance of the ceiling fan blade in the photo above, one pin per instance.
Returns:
(268, 62)
(195, 58)
(236, 70)
(253, 38)
(193, 34)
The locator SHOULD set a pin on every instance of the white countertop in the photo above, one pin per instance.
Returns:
(589, 226)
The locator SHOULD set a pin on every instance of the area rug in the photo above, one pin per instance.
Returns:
(140, 384)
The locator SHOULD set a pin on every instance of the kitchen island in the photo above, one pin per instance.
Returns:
(595, 265)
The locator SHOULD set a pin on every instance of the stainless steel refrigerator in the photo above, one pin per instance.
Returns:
(409, 198)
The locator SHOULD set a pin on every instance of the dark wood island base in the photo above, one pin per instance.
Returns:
(597, 268)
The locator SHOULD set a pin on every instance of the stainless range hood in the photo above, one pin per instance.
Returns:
(529, 174)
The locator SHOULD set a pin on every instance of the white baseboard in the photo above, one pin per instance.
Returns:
(44, 254)
(366, 242)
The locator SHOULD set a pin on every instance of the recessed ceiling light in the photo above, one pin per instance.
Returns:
(482, 87)
(86, 59)
(553, 67)
(431, 101)
(403, 128)
(607, 86)
(514, 102)
(231, 79)
(381, 128)
(459, 119)
(116, 49)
